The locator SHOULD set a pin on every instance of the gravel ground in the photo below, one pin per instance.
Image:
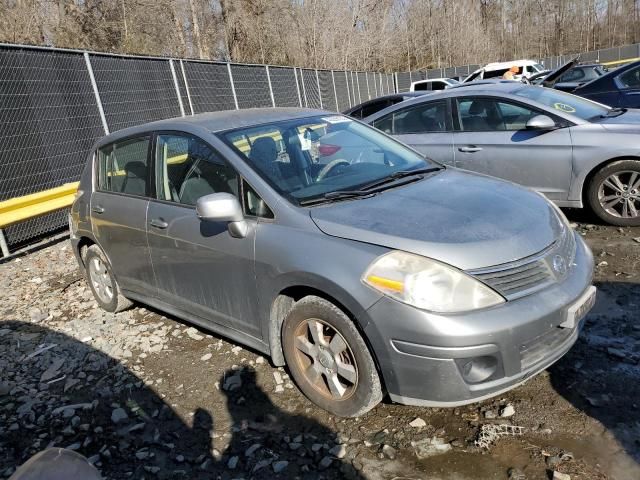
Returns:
(143, 395)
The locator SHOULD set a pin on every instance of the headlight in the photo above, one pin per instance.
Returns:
(427, 284)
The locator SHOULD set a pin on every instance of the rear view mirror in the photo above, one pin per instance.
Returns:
(223, 207)
(541, 122)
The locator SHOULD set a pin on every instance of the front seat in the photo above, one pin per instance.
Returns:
(264, 156)
(476, 121)
(412, 122)
(135, 179)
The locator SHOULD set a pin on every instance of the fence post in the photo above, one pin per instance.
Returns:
(319, 91)
(335, 93)
(186, 86)
(273, 101)
(96, 93)
(304, 89)
(295, 74)
(366, 79)
(397, 85)
(233, 87)
(175, 83)
(4, 248)
(346, 80)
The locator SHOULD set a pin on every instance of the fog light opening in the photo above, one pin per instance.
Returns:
(478, 369)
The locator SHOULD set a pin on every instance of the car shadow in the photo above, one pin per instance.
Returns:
(600, 375)
(56, 391)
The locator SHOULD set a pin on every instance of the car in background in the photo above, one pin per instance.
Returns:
(435, 286)
(619, 88)
(433, 84)
(570, 76)
(574, 151)
(536, 78)
(374, 105)
(526, 68)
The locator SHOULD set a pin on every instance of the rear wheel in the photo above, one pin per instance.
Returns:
(329, 359)
(614, 193)
(102, 282)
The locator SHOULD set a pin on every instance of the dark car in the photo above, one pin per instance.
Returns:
(569, 76)
(370, 107)
(618, 88)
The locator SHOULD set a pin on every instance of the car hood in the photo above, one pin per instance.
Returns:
(466, 220)
(627, 122)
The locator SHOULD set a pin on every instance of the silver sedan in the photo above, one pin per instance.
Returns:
(574, 151)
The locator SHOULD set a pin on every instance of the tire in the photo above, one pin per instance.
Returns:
(604, 189)
(337, 372)
(102, 282)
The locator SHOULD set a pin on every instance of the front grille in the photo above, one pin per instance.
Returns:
(528, 275)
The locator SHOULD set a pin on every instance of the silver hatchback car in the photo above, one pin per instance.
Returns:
(396, 275)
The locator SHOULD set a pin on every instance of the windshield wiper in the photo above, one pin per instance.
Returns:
(337, 195)
(614, 112)
(401, 174)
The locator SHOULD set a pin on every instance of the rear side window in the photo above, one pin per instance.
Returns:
(485, 115)
(188, 169)
(123, 167)
(438, 86)
(630, 79)
(422, 86)
(428, 117)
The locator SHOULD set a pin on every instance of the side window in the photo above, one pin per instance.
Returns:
(253, 203)
(418, 87)
(374, 107)
(573, 75)
(384, 124)
(485, 115)
(356, 113)
(429, 117)
(123, 167)
(187, 169)
(630, 79)
(438, 86)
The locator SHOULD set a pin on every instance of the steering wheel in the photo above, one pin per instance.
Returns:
(330, 166)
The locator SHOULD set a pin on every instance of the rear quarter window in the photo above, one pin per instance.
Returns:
(123, 166)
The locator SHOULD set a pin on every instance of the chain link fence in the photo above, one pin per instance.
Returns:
(57, 103)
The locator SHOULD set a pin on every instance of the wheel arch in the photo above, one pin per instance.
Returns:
(586, 183)
(289, 295)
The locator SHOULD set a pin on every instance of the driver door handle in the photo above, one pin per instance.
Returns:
(97, 209)
(469, 149)
(158, 224)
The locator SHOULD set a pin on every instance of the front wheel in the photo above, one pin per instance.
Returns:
(328, 358)
(614, 193)
(102, 281)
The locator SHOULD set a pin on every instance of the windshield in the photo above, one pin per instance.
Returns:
(308, 158)
(564, 102)
(538, 67)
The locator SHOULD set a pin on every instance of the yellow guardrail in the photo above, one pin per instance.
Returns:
(620, 62)
(23, 208)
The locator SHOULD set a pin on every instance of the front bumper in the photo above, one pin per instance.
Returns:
(422, 356)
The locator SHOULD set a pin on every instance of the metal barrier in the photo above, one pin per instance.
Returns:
(32, 206)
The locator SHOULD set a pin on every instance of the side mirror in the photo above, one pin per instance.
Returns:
(223, 207)
(541, 122)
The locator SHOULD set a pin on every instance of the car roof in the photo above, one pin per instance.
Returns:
(350, 110)
(605, 80)
(513, 63)
(219, 121)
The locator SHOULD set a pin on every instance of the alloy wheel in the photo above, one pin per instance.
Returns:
(619, 194)
(100, 279)
(326, 359)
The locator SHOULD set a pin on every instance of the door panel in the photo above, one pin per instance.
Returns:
(436, 145)
(119, 209)
(494, 141)
(200, 268)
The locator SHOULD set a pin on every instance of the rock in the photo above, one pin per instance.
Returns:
(295, 446)
(119, 415)
(417, 423)
(389, 452)
(277, 377)
(249, 452)
(233, 462)
(516, 474)
(560, 476)
(339, 451)
(260, 360)
(52, 371)
(553, 461)
(279, 389)
(508, 411)
(429, 447)
(490, 415)
(280, 466)
(5, 388)
(325, 463)
(636, 239)
(261, 464)
(193, 334)
(206, 357)
(236, 350)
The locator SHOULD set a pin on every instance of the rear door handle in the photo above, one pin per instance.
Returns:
(158, 223)
(97, 209)
(469, 149)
